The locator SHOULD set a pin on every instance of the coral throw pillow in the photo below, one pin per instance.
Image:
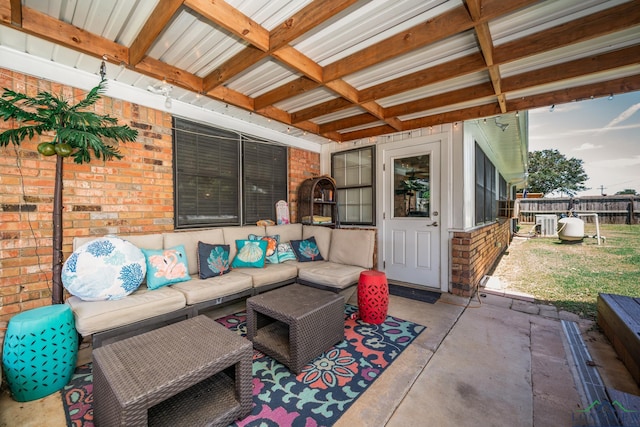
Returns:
(213, 260)
(306, 250)
(166, 266)
(107, 268)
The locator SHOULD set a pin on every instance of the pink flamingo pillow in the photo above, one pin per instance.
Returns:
(166, 266)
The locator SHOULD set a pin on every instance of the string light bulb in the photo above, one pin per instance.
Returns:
(552, 108)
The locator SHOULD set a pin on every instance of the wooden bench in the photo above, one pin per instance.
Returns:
(619, 318)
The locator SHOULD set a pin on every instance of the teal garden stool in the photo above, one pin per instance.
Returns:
(40, 351)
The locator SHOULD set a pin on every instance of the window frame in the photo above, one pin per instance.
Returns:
(486, 191)
(341, 189)
(238, 173)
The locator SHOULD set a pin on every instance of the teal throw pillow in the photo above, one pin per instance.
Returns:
(285, 252)
(251, 253)
(272, 246)
(213, 260)
(166, 266)
(306, 250)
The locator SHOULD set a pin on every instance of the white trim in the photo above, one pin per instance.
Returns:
(40, 68)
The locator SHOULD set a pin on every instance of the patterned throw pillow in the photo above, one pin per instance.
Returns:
(272, 246)
(213, 260)
(306, 250)
(166, 266)
(107, 268)
(251, 253)
(285, 252)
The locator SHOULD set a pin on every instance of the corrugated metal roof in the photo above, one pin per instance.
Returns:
(406, 63)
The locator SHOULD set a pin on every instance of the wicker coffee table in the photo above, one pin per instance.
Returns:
(194, 372)
(295, 324)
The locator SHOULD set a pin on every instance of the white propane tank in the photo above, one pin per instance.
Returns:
(571, 229)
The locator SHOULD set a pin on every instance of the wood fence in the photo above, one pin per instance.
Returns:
(622, 209)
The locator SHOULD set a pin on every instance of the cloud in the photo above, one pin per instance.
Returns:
(587, 146)
(623, 116)
(618, 163)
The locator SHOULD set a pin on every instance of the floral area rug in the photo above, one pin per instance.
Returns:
(318, 396)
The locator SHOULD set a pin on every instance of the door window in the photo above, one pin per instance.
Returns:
(411, 181)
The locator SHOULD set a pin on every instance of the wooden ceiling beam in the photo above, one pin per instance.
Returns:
(463, 114)
(578, 93)
(300, 62)
(230, 18)
(455, 68)
(234, 66)
(348, 122)
(158, 20)
(319, 110)
(595, 25)
(44, 26)
(173, 75)
(16, 13)
(437, 28)
(288, 90)
(457, 96)
(312, 15)
(367, 133)
(575, 68)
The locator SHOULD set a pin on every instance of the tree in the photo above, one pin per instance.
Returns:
(551, 171)
(75, 132)
(627, 191)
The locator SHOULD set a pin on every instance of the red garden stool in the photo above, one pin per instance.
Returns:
(373, 296)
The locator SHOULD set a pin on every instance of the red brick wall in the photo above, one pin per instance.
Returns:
(302, 165)
(129, 196)
(474, 253)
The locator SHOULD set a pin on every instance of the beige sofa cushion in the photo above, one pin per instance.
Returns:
(143, 241)
(270, 274)
(199, 290)
(287, 232)
(190, 241)
(337, 276)
(322, 236)
(353, 247)
(231, 234)
(98, 316)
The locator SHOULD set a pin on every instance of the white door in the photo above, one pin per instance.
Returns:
(411, 214)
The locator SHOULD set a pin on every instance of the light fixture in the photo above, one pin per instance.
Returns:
(517, 113)
(162, 88)
(553, 107)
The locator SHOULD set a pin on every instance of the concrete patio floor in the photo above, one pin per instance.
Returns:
(492, 361)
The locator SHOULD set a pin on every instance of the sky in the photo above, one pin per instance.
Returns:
(603, 132)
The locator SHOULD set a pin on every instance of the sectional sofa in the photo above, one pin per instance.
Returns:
(345, 252)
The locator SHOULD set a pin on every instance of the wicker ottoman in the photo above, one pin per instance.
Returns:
(295, 324)
(194, 372)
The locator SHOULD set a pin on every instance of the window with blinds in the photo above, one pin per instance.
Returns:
(222, 178)
(486, 188)
(265, 179)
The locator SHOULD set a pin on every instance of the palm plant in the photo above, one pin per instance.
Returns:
(76, 132)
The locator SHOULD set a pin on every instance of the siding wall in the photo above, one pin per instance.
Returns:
(129, 196)
(474, 253)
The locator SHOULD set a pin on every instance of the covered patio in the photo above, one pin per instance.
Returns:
(491, 360)
(446, 80)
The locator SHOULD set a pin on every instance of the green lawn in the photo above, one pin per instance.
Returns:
(570, 275)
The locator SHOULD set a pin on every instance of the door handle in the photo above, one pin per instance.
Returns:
(433, 224)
